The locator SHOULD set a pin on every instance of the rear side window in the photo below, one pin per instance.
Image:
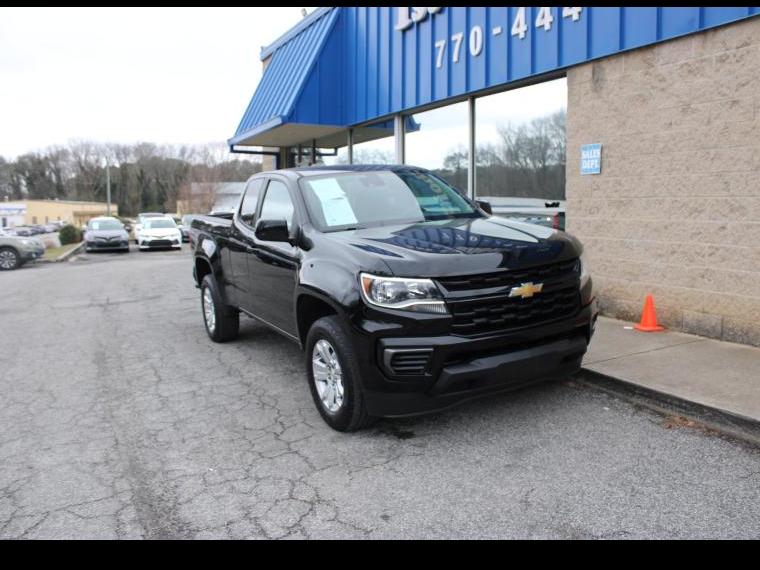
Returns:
(250, 201)
(277, 204)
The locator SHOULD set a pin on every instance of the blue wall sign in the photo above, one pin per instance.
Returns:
(591, 159)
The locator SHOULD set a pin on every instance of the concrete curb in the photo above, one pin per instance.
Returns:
(66, 255)
(728, 423)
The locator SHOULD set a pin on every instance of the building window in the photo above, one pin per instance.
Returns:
(373, 144)
(521, 142)
(437, 140)
(34, 220)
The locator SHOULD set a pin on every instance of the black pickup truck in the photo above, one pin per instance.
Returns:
(406, 296)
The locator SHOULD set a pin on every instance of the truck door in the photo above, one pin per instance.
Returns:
(240, 244)
(273, 266)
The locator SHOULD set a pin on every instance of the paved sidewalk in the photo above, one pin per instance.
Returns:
(710, 373)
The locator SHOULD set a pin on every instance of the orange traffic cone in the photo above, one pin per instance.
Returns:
(649, 318)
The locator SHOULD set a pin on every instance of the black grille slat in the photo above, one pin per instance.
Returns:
(492, 280)
(410, 363)
(487, 311)
(488, 315)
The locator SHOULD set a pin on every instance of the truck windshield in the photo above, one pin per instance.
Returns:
(355, 200)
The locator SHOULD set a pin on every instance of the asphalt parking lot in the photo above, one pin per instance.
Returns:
(120, 419)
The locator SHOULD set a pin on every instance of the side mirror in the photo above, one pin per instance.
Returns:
(273, 230)
(485, 206)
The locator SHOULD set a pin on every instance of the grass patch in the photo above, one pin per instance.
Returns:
(55, 252)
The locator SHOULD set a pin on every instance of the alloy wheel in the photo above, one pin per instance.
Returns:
(209, 314)
(328, 376)
(8, 260)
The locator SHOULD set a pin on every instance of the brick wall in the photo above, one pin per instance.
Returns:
(676, 210)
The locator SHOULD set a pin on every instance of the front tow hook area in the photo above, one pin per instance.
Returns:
(545, 361)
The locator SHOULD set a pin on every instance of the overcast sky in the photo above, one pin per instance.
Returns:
(166, 75)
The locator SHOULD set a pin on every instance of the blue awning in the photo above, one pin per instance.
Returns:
(295, 101)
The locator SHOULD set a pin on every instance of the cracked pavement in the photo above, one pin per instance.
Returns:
(120, 419)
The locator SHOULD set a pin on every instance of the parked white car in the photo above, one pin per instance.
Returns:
(158, 233)
(141, 220)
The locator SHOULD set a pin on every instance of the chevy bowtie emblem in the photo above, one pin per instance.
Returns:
(526, 290)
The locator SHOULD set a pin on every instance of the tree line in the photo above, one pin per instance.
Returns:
(527, 160)
(144, 177)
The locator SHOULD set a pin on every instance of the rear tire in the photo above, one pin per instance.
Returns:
(327, 338)
(9, 259)
(221, 321)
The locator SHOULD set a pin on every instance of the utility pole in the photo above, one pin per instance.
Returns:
(108, 187)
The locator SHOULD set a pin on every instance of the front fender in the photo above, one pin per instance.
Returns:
(331, 281)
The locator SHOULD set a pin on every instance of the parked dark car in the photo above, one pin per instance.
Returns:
(548, 213)
(23, 231)
(106, 234)
(406, 296)
(187, 228)
(184, 229)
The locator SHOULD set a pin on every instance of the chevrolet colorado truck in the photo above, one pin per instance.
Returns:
(406, 296)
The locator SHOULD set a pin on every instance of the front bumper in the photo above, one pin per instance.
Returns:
(461, 368)
(107, 246)
(32, 254)
(160, 243)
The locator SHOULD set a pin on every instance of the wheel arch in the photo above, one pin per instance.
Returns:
(310, 307)
(201, 269)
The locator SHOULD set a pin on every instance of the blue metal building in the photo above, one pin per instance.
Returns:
(343, 68)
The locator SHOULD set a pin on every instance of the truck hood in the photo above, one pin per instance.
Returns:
(461, 247)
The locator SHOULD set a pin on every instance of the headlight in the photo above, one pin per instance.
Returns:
(585, 270)
(419, 295)
(27, 242)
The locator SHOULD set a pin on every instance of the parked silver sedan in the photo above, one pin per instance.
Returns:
(15, 251)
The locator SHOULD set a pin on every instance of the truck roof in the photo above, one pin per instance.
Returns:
(305, 172)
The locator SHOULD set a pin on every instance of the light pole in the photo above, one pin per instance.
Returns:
(108, 187)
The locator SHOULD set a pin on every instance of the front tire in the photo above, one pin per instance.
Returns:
(222, 322)
(9, 259)
(331, 366)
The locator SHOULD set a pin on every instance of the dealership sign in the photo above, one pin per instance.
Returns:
(473, 39)
(409, 16)
(591, 159)
(402, 58)
(12, 210)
